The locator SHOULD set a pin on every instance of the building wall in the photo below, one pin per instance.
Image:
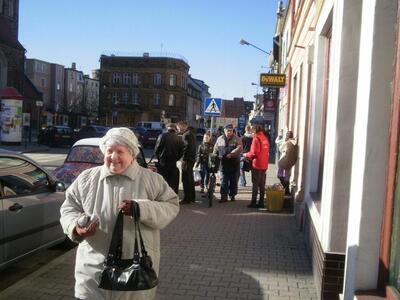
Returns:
(57, 87)
(128, 113)
(39, 72)
(370, 150)
(92, 97)
(11, 15)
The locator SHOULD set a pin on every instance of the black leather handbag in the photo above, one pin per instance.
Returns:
(127, 274)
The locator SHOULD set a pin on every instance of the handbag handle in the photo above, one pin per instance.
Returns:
(137, 226)
(115, 250)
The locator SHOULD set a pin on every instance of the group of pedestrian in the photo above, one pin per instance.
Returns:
(171, 148)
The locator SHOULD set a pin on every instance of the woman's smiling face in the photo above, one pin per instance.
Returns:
(117, 158)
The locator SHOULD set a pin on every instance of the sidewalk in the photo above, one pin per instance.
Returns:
(227, 251)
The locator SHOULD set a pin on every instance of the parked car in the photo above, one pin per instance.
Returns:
(30, 201)
(149, 138)
(85, 154)
(56, 136)
(138, 131)
(91, 131)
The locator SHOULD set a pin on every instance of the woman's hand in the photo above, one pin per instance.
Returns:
(126, 207)
(86, 231)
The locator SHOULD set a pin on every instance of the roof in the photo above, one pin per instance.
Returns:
(87, 142)
(30, 90)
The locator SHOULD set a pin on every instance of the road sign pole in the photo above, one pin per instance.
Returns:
(212, 124)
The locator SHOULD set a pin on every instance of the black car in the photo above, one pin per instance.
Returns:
(90, 131)
(56, 135)
(149, 138)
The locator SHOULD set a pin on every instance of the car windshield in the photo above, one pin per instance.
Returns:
(63, 130)
(86, 154)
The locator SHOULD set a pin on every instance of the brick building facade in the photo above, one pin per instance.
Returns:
(142, 88)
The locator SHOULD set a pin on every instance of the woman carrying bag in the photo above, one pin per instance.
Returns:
(111, 192)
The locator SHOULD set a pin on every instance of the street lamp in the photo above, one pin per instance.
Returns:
(243, 42)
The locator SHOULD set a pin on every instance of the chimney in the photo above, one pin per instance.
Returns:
(73, 67)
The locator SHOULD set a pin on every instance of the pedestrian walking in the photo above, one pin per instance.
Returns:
(289, 151)
(119, 184)
(245, 165)
(203, 152)
(228, 147)
(259, 156)
(168, 150)
(188, 159)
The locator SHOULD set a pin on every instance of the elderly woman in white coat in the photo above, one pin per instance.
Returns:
(103, 191)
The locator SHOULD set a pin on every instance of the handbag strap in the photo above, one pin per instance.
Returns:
(115, 250)
(137, 228)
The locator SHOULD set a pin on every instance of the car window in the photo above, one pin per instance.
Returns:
(86, 154)
(20, 177)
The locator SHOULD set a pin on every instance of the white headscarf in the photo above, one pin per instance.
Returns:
(122, 136)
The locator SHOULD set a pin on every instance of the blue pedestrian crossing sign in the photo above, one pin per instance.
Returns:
(212, 107)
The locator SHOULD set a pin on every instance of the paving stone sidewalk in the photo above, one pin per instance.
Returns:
(227, 251)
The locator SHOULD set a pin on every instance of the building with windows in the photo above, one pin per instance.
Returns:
(142, 88)
(342, 101)
(91, 99)
(74, 96)
(194, 105)
(48, 78)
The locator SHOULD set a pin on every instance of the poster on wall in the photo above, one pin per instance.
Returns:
(11, 120)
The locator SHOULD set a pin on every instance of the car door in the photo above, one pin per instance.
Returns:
(30, 210)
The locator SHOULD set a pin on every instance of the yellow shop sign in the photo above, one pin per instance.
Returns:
(272, 80)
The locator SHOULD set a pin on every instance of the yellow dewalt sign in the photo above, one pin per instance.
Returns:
(272, 80)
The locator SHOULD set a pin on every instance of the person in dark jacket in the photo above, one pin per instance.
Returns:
(228, 147)
(188, 159)
(168, 150)
(245, 166)
(203, 152)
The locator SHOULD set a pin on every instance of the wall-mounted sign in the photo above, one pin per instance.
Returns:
(272, 80)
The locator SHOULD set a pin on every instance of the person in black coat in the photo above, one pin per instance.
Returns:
(188, 159)
(168, 150)
(203, 153)
(245, 166)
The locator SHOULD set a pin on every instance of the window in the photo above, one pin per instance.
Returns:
(1, 6)
(11, 8)
(125, 97)
(116, 78)
(135, 98)
(157, 79)
(171, 100)
(70, 87)
(172, 80)
(115, 98)
(19, 177)
(43, 82)
(156, 99)
(184, 82)
(135, 79)
(126, 78)
(58, 86)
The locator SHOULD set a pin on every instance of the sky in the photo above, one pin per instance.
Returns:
(206, 33)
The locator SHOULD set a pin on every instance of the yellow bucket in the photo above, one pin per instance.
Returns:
(275, 200)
